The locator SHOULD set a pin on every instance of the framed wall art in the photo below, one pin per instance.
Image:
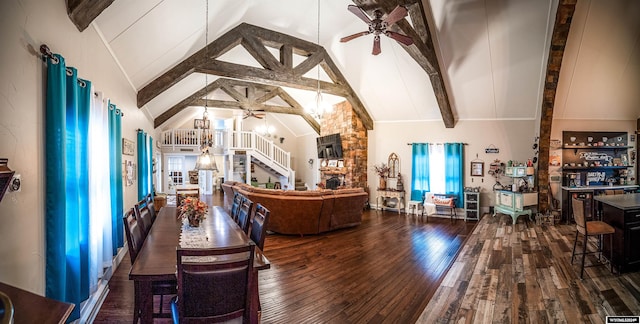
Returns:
(477, 169)
(128, 147)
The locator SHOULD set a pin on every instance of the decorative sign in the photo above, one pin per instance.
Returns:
(127, 147)
(595, 177)
(492, 149)
(595, 156)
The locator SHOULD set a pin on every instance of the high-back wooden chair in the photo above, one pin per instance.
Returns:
(133, 234)
(235, 207)
(214, 290)
(135, 239)
(589, 228)
(182, 193)
(244, 213)
(152, 207)
(259, 225)
(144, 217)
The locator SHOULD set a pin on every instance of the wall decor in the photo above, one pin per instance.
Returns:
(128, 147)
(492, 149)
(130, 172)
(340, 163)
(477, 169)
(333, 163)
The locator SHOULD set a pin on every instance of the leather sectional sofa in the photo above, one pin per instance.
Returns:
(303, 212)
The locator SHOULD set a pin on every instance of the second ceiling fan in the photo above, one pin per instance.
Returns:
(378, 26)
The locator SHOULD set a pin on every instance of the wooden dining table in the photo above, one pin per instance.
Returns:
(157, 259)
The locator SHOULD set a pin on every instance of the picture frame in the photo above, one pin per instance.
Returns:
(477, 169)
(193, 177)
(340, 163)
(201, 123)
(128, 147)
(333, 163)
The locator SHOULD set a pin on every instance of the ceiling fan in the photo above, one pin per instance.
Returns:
(253, 113)
(378, 26)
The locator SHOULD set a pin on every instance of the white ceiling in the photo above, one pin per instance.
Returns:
(493, 55)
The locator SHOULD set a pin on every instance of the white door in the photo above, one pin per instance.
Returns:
(175, 172)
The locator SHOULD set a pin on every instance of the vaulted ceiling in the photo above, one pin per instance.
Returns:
(492, 57)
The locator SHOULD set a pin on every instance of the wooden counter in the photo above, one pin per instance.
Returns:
(623, 213)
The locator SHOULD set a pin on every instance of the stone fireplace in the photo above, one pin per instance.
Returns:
(343, 120)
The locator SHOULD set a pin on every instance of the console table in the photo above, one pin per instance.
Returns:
(384, 195)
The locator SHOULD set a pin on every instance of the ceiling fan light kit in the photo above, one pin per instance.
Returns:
(378, 26)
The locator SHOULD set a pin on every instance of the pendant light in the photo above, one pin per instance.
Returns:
(321, 106)
(206, 160)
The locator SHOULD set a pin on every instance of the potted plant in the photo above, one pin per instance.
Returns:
(382, 170)
(194, 210)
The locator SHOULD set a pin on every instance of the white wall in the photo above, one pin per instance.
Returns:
(513, 138)
(24, 26)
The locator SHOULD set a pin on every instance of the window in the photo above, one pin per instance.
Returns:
(437, 168)
(175, 166)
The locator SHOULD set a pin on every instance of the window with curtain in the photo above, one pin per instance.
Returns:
(437, 168)
(80, 196)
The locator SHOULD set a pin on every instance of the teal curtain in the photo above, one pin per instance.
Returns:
(66, 185)
(143, 164)
(419, 170)
(150, 167)
(454, 176)
(115, 170)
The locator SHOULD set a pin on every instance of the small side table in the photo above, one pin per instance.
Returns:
(384, 194)
(414, 206)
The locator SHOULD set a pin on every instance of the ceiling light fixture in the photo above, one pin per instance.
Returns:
(206, 160)
(321, 106)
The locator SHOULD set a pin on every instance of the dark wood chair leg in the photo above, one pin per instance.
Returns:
(584, 254)
(575, 242)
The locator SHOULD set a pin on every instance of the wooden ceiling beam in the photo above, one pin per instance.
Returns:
(277, 72)
(83, 12)
(254, 99)
(422, 50)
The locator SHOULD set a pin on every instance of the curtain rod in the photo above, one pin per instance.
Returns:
(46, 52)
(436, 143)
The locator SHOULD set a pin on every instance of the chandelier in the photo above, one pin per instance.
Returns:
(321, 106)
(206, 160)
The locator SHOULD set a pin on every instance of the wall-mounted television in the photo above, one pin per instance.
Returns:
(329, 146)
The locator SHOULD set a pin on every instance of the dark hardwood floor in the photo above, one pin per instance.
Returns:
(384, 270)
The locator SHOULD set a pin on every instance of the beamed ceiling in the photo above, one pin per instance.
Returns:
(471, 60)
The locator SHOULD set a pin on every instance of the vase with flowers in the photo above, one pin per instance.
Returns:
(382, 170)
(194, 210)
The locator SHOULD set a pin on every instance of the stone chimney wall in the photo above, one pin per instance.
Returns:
(343, 120)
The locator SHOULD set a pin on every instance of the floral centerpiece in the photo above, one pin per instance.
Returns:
(382, 170)
(193, 209)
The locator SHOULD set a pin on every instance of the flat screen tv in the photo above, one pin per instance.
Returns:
(329, 146)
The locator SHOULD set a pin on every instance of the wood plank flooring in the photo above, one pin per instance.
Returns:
(523, 274)
(387, 269)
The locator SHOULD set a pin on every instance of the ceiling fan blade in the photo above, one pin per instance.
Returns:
(400, 38)
(350, 37)
(358, 12)
(398, 13)
(376, 45)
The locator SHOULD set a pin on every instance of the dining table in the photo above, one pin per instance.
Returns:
(157, 259)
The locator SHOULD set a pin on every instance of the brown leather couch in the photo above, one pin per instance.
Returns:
(303, 212)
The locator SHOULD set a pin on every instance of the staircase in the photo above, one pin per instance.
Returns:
(299, 186)
(263, 153)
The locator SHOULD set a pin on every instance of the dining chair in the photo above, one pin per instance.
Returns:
(590, 228)
(259, 225)
(235, 207)
(182, 193)
(214, 284)
(144, 217)
(135, 239)
(152, 207)
(244, 213)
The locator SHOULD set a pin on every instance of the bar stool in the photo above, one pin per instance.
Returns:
(590, 228)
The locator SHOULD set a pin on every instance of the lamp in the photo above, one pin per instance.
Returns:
(321, 106)
(206, 160)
